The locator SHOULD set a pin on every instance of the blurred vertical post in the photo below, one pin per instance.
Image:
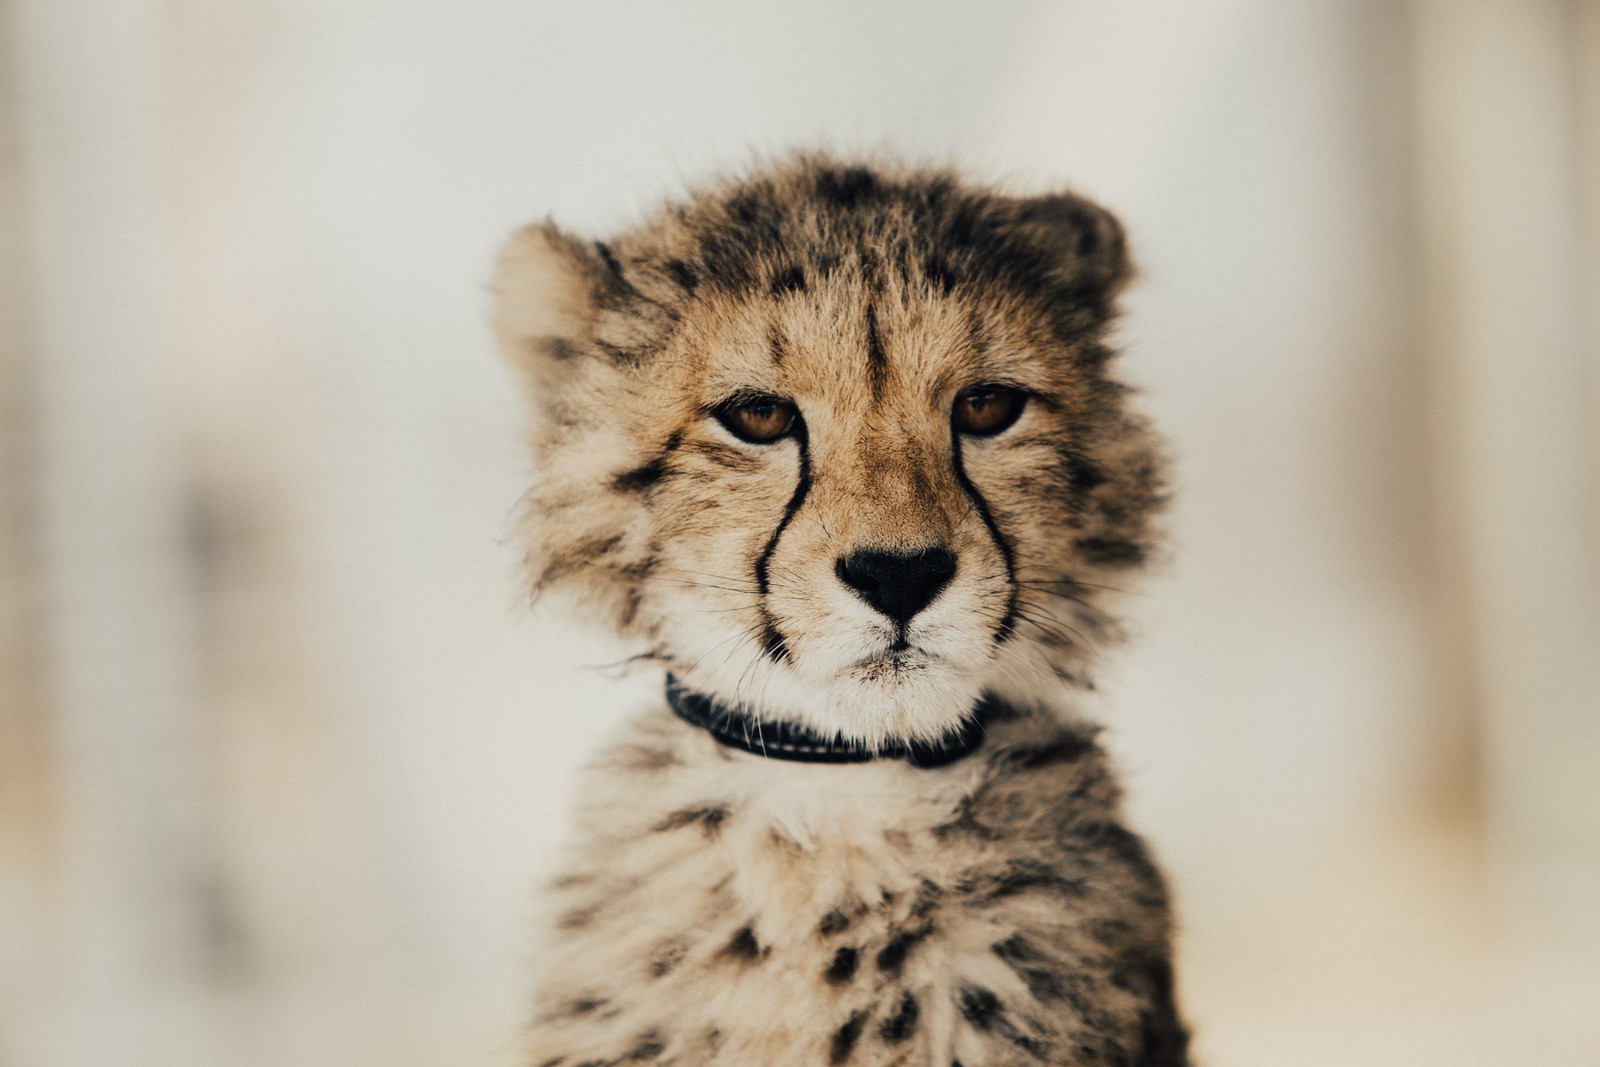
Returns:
(26, 815)
(1504, 200)
(112, 579)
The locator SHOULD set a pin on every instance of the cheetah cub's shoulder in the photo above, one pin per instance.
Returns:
(842, 448)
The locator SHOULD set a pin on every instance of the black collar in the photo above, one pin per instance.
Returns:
(789, 741)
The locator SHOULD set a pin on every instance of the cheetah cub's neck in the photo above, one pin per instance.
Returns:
(841, 446)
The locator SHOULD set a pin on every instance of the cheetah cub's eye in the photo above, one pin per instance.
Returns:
(759, 420)
(985, 410)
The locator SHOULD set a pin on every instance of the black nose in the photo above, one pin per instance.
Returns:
(897, 584)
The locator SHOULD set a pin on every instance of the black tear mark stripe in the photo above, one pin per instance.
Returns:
(877, 359)
(772, 638)
(1009, 621)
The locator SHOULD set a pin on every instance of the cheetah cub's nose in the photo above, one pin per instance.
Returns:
(897, 584)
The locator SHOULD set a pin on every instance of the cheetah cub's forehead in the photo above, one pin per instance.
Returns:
(840, 443)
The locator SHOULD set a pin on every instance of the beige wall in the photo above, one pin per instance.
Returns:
(283, 753)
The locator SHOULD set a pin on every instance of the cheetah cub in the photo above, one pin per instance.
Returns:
(841, 446)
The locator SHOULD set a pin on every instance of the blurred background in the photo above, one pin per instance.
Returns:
(283, 752)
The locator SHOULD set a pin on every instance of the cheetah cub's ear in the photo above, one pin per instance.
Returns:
(546, 288)
(1090, 241)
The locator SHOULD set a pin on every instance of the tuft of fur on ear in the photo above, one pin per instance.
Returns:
(545, 307)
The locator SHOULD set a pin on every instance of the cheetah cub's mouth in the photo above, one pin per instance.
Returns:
(839, 446)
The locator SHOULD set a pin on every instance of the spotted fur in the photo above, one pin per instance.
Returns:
(723, 909)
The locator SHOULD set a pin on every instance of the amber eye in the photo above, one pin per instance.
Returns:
(985, 410)
(759, 420)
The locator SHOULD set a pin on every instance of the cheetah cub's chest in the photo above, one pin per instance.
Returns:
(841, 448)
(726, 912)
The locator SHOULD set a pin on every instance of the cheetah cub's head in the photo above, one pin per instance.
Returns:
(840, 443)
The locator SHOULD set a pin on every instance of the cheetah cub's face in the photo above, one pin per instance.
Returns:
(840, 443)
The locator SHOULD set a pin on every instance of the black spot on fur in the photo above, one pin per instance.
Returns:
(640, 478)
(649, 1047)
(789, 280)
(892, 957)
(980, 1007)
(745, 209)
(832, 923)
(1015, 878)
(1068, 749)
(666, 957)
(577, 918)
(557, 1062)
(938, 272)
(983, 1010)
(608, 257)
(743, 947)
(1046, 985)
(682, 275)
(584, 1006)
(709, 818)
(1017, 949)
(1110, 552)
(559, 348)
(903, 1023)
(843, 967)
(846, 186)
(844, 1039)
(1083, 476)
